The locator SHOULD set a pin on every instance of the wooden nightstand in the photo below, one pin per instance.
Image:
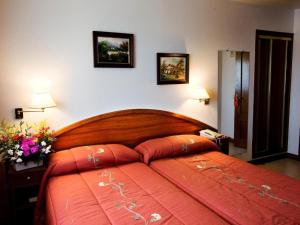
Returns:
(24, 187)
(223, 143)
(220, 139)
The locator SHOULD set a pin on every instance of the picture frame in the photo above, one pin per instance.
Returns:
(114, 50)
(172, 68)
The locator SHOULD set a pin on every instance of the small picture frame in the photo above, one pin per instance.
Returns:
(172, 68)
(113, 50)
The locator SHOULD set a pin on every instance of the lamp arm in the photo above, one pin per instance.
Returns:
(19, 112)
(34, 110)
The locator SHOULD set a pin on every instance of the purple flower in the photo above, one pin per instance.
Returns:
(29, 146)
(34, 149)
(25, 147)
(26, 152)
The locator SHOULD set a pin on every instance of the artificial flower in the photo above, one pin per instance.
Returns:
(25, 142)
(34, 149)
(19, 160)
(48, 149)
(10, 152)
(17, 137)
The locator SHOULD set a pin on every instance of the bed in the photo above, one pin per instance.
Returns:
(239, 192)
(94, 178)
(195, 184)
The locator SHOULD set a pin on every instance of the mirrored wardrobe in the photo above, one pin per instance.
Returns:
(273, 64)
(233, 91)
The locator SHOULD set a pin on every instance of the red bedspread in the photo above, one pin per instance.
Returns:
(239, 192)
(126, 194)
(106, 184)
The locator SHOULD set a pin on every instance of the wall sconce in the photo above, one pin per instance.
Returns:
(40, 101)
(202, 96)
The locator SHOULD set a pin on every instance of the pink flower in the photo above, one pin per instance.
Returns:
(26, 152)
(25, 147)
(29, 146)
(34, 149)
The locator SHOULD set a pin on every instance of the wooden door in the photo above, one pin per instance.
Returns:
(241, 99)
(271, 92)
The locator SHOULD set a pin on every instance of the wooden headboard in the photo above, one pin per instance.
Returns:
(128, 127)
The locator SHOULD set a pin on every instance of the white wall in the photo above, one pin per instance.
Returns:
(53, 39)
(294, 127)
(227, 79)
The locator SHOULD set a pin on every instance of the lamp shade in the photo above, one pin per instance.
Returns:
(202, 94)
(42, 100)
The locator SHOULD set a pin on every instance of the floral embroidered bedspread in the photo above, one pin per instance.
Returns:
(239, 192)
(128, 194)
(86, 187)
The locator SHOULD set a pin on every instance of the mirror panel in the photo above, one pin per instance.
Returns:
(233, 86)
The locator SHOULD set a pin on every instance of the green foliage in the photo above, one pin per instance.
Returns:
(103, 48)
(124, 46)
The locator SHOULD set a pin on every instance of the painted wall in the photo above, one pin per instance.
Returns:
(52, 40)
(294, 127)
(226, 92)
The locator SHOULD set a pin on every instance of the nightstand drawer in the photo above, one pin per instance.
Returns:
(26, 178)
(24, 188)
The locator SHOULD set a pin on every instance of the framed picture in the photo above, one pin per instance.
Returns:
(113, 49)
(172, 68)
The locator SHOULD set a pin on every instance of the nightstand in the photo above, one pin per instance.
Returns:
(220, 139)
(24, 187)
(223, 143)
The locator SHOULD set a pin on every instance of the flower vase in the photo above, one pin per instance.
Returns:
(28, 165)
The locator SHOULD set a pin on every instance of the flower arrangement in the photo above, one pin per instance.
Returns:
(24, 142)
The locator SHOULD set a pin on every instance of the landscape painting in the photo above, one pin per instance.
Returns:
(172, 68)
(113, 49)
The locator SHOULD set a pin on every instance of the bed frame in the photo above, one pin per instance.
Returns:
(128, 127)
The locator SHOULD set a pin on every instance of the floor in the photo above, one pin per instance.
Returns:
(289, 167)
(240, 153)
(233, 150)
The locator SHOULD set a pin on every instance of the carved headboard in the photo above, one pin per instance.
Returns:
(128, 127)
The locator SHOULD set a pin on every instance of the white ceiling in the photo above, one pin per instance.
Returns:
(288, 3)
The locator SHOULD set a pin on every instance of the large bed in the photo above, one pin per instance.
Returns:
(96, 177)
(113, 191)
